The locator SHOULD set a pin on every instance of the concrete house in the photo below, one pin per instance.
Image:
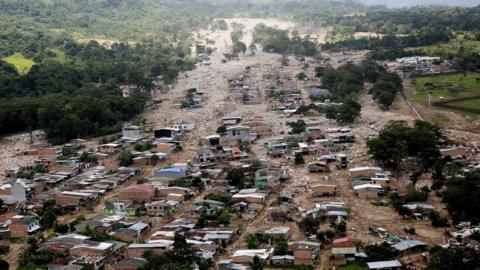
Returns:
(109, 148)
(407, 247)
(213, 140)
(315, 133)
(239, 133)
(184, 127)
(318, 166)
(138, 193)
(342, 255)
(94, 225)
(304, 252)
(231, 120)
(364, 171)
(250, 196)
(18, 191)
(47, 153)
(265, 178)
(205, 154)
(282, 260)
(279, 231)
(423, 208)
(129, 264)
(246, 256)
(70, 198)
(23, 226)
(161, 208)
(367, 191)
(92, 249)
(138, 250)
(168, 133)
(135, 232)
(121, 208)
(320, 190)
(132, 133)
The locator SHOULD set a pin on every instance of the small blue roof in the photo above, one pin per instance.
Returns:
(173, 169)
(319, 92)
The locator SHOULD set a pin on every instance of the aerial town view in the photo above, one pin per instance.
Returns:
(239, 134)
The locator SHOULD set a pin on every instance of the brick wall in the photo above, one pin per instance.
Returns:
(18, 230)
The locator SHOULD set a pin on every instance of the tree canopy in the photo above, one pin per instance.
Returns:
(397, 140)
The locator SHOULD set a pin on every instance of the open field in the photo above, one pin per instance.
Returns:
(450, 47)
(57, 55)
(22, 64)
(449, 118)
(471, 103)
(448, 87)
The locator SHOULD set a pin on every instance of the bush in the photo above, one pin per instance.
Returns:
(309, 225)
(224, 218)
(252, 241)
(125, 158)
(142, 147)
(409, 230)
(4, 249)
(4, 265)
(142, 181)
(379, 252)
(226, 198)
(61, 228)
(236, 177)
(437, 220)
(222, 129)
(299, 159)
(297, 127)
(378, 203)
(340, 228)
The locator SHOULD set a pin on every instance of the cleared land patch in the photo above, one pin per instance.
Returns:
(456, 92)
(450, 47)
(22, 64)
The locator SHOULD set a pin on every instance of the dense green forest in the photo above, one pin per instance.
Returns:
(278, 41)
(411, 20)
(407, 27)
(72, 89)
(172, 19)
(81, 95)
(116, 19)
(425, 37)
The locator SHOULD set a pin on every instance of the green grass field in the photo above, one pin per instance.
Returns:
(354, 266)
(450, 47)
(22, 64)
(471, 103)
(57, 55)
(448, 87)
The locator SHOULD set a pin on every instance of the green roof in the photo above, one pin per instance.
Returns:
(261, 183)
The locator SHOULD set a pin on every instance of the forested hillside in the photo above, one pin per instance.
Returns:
(404, 21)
(408, 27)
(138, 19)
(49, 80)
(81, 96)
(120, 19)
(402, 3)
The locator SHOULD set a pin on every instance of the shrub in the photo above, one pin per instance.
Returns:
(409, 230)
(437, 220)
